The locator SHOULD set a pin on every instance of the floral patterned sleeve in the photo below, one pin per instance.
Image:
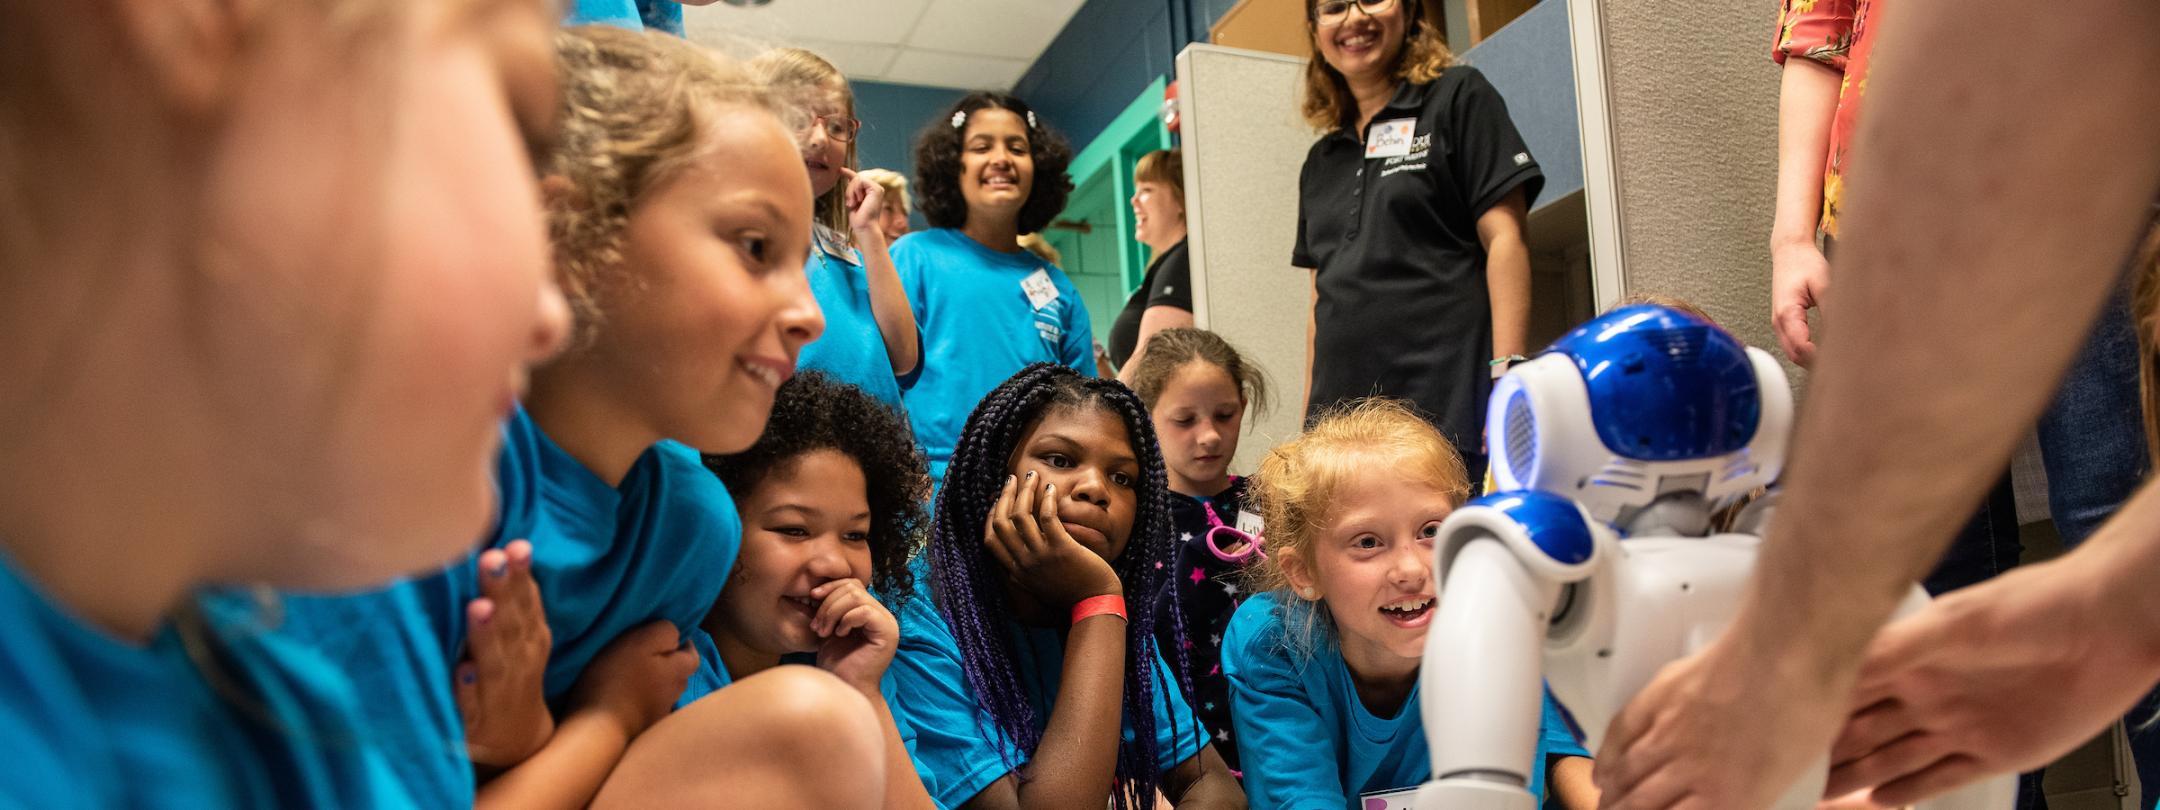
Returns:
(1821, 30)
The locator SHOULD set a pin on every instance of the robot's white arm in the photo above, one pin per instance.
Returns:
(1503, 564)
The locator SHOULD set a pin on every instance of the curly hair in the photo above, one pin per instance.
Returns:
(813, 412)
(1300, 478)
(1328, 103)
(637, 107)
(968, 584)
(938, 170)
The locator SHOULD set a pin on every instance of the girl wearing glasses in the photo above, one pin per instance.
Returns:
(1196, 388)
(871, 340)
(1410, 218)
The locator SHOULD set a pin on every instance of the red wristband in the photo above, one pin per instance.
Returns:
(1098, 605)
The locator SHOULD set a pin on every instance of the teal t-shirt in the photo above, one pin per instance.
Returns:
(1307, 741)
(957, 749)
(619, 13)
(90, 720)
(608, 559)
(985, 315)
(852, 349)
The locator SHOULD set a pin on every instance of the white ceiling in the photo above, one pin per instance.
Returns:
(965, 44)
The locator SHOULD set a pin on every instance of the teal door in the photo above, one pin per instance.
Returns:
(1086, 236)
(1095, 234)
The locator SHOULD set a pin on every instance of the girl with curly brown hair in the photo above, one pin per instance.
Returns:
(988, 171)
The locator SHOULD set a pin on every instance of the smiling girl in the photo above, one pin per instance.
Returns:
(871, 340)
(1323, 666)
(274, 273)
(988, 172)
(832, 500)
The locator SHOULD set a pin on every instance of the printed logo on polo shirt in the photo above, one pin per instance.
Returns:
(1522, 158)
(1420, 146)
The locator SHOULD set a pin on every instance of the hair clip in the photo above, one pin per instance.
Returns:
(1031, 119)
(959, 119)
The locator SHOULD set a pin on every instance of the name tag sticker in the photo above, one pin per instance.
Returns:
(1040, 290)
(1248, 523)
(1404, 799)
(1390, 138)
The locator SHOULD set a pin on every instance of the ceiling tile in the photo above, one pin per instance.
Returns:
(955, 70)
(884, 22)
(998, 28)
(857, 60)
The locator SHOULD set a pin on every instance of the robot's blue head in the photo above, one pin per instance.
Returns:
(1665, 385)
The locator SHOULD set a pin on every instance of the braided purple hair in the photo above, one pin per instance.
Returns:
(967, 583)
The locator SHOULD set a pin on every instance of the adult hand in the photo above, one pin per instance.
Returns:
(1730, 728)
(865, 205)
(860, 634)
(2003, 676)
(501, 684)
(1799, 275)
(1026, 537)
(638, 677)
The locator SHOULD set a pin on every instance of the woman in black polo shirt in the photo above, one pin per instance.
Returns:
(1164, 299)
(1410, 217)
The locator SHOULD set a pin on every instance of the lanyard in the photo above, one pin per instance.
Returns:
(1244, 546)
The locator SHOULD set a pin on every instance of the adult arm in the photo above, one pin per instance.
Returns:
(1312, 327)
(1986, 236)
(1153, 319)
(1985, 680)
(1507, 272)
(1807, 101)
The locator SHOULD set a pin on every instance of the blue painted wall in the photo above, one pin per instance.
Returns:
(891, 115)
(1107, 54)
(1528, 62)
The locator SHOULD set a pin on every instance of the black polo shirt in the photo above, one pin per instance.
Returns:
(1168, 284)
(1403, 309)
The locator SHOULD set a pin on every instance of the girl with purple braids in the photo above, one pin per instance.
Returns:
(1028, 680)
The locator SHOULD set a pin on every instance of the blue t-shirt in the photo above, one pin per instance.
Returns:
(981, 324)
(90, 720)
(957, 747)
(852, 349)
(607, 559)
(661, 15)
(658, 15)
(1308, 741)
(619, 13)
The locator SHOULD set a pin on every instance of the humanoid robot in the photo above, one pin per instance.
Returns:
(1612, 452)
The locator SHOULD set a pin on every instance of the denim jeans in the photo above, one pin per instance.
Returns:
(2092, 443)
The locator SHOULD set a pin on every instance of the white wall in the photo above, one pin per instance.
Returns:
(1243, 143)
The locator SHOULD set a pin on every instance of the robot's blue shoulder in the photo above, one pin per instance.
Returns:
(1665, 385)
(1553, 524)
